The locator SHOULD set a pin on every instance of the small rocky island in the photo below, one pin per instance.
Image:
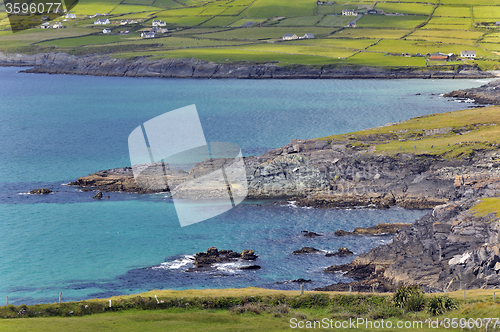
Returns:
(205, 260)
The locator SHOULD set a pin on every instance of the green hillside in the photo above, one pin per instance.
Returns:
(252, 30)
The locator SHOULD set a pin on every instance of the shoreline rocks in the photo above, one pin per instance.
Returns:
(103, 65)
(449, 248)
(379, 229)
(486, 94)
(343, 251)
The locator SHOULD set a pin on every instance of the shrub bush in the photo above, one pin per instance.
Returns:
(411, 298)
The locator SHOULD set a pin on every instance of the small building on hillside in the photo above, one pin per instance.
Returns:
(70, 16)
(468, 54)
(438, 57)
(308, 36)
(57, 25)
(45, 25)
(106, 31)
(101, 21)
(149, 34)
(159, 23)
(374, 11)
(452, 57)
(290, 36)
(351, 25)
(349, 12)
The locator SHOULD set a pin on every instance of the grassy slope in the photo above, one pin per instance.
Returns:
(455, 134)
(478, 304)
(448, 26)
(488, 206)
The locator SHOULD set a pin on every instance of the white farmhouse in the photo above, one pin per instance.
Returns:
(101, 21)
(468, 54)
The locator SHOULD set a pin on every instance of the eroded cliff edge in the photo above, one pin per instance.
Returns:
(99, 65)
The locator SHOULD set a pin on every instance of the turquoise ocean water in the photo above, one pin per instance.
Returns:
(54, 129)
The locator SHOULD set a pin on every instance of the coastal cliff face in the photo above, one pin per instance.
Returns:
(450, 248)
(62, 63)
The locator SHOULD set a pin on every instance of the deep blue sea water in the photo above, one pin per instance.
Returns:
(54, 129)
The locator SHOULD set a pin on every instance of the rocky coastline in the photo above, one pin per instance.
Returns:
(105, 65)
(486, 94)
(450, 248)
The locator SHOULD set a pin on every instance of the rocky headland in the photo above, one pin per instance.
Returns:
(103, 65)
(448, 163)
(485, 94)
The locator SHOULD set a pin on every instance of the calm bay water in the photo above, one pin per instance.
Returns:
(54, 129)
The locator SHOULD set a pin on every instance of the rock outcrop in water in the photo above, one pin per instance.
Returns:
(42, 191)
(204, 260)
(379, 229)
(97, 65)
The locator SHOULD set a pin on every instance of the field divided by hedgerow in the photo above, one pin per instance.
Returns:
(406, 26)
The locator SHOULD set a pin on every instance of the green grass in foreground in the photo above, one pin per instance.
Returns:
(450, 135)
(248, 309)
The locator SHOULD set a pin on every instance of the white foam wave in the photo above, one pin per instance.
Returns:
(177, 264)
(231, 267)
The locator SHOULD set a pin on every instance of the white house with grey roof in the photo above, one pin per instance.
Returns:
(290, 36)
(468, 54)
(159, 23)
(101, 21)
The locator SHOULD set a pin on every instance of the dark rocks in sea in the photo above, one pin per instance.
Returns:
(213, 255)
(310, 234)
(343, 251)
(306, 250)
(248, 255)
(379, 229)
(98, 195)
(301, 280)
(250, 267)
(42, 191)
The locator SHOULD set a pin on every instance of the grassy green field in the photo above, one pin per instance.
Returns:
(248, 309)
(481, 126)
(424, 27)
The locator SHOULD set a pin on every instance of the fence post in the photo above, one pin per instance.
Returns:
(445, 292)
(350, 289)
(7, 298)
(110, 303)
(302, 289)
(493, 296)
(60, 297)
(464, 295)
